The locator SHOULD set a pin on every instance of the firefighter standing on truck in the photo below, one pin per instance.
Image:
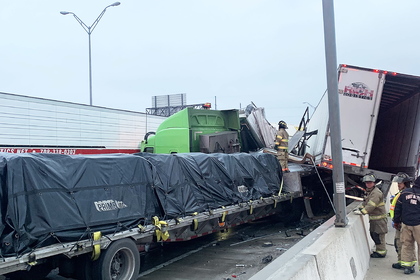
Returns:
(407, 217)
(403, 181)
(374, 206)
(282, 145)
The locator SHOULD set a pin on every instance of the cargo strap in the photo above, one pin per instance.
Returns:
(195, 224)
(141, 228)
(160, 234)
(281, 186)
(251, 207)
(32, 259)
(223, 218)
(96, 251)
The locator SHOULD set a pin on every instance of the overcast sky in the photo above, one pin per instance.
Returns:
(270, 52)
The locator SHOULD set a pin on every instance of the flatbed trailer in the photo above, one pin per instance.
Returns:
(187, 228)
(112, 251)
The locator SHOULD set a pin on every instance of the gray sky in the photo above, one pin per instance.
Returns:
(270, 52)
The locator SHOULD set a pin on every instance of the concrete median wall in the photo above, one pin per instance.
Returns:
(328, 252)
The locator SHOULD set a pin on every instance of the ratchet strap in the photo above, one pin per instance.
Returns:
(96, 251)
(160, 234)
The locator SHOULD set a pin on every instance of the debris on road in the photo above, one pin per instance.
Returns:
(267, 259)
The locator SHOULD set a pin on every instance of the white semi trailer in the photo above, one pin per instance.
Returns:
(380, 125)
(37, 125)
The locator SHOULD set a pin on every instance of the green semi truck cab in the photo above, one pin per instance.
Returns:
(196, 130)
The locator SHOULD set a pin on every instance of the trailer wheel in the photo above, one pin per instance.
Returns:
(121, 261)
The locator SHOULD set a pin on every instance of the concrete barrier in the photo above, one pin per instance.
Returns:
(327, 253)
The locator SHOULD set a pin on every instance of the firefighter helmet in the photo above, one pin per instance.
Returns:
(402, 177)
(369, 178)
(282, 124)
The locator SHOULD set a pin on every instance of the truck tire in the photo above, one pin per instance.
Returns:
(36, 272)
(121, 261)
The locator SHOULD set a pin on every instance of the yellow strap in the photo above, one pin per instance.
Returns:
(142, 228)
(251, 208)
(158, 231)
(155, 221)
(223, 216)
(158, 235)
(195, 224)
(96, 251)
(165, 235)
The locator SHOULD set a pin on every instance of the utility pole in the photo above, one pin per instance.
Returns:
(334, 114)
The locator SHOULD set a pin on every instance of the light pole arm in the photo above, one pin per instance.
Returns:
(95, 23)
(85, 27)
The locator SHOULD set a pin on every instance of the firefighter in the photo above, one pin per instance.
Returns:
(374, 206)
(403, 181)
(281, 145)
(407, 218)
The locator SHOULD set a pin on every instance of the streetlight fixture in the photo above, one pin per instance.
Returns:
(89, 30)
(313, 107)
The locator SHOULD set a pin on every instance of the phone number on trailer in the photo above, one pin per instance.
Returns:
(46, 151)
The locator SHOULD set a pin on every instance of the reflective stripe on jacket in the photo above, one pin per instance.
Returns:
(282, 140)
(392, 207)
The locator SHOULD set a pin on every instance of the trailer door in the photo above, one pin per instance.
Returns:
(359, 97)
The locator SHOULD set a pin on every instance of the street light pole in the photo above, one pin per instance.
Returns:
(89, 30)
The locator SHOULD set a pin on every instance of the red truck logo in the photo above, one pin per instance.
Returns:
(358, 90)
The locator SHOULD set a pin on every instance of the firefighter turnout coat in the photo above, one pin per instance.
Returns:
(374, 206)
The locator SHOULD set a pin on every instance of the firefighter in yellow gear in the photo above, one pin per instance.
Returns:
(374, 206)
(403, 181)
(281, 144)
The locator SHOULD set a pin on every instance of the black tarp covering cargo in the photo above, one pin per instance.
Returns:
(50, 197)
(180, 193)
(197, 182)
